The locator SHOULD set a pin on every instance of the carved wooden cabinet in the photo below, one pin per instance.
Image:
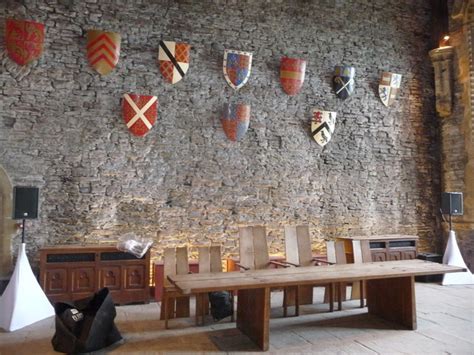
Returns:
(385, 247)
(70, 272)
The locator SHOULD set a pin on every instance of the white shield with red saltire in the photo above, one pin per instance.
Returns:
(140, 113)
(174, 60)
(322, 126)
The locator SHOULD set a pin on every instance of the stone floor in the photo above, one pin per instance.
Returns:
(445, 326)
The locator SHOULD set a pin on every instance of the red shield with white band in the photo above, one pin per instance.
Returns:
(140, 112)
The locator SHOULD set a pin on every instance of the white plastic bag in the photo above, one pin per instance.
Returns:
(134, 244)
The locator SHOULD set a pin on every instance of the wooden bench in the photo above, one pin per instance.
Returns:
(390, 289)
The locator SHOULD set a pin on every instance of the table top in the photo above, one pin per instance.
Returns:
(382, 237)
(309, 275)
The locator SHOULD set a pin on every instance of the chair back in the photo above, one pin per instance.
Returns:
(361, 250)
(175, 262)
(298, 248)
(210, 258)
(335, 252)
(253, 247)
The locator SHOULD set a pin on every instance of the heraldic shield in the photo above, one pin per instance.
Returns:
(103, 50)
(235, 120)
(139, 113)
(344, 81)
(174, 60)
(322, 126)
(24, 40)
(292, 71)
(237, 66)
(388, 87)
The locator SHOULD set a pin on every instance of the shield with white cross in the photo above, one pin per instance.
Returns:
(322, 126)
(139, 113)
(343, 81)
(388, 87)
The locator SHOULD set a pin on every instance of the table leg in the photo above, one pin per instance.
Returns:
(393, 299)
(253, 315)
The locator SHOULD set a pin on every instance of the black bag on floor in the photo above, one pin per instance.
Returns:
(85, 325)
(221, 304)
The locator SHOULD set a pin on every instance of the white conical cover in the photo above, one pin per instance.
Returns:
(23, 302)
(452, 256)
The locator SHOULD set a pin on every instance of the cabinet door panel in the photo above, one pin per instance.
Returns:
(395, 255)
(135, 276)
(83, 279)
(56, 281)
(379, 255)
(110, 277)
(408, 254)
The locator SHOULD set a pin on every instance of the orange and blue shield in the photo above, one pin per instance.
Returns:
(235, 120)
(174, 60)
(24, 40)
(140, 113)
(237, 67)
(292, 71)
(344, 81)
(322, 126)
(103, 50)
(388, 87)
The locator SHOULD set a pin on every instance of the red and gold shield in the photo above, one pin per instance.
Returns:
(292, 72)
(24, 40)
(140, 112)
(103, 50)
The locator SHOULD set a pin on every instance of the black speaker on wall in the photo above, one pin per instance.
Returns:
(451, 203)
(25, 202)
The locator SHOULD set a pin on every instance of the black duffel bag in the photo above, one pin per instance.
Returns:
(85, 325)
(221, 304)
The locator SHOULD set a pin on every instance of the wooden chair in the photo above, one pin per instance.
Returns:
(299, 253)
(209, 261)
(362, 254)
(173, 304)
(335, 255)
(253, 249)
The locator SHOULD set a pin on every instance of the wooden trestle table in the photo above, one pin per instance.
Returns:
(390, 289)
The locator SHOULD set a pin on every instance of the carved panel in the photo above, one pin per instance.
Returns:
(56, 281)
(110, 277)
(408, 254)
(379, 255)
(83, 279)
(135, 276)
(395, 255)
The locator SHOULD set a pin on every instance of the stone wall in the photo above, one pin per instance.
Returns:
(457, 130)
(62, 128)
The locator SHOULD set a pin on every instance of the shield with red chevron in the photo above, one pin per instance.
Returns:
(322, 126)
(103, 50)
(140, 112)
(174, 60)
